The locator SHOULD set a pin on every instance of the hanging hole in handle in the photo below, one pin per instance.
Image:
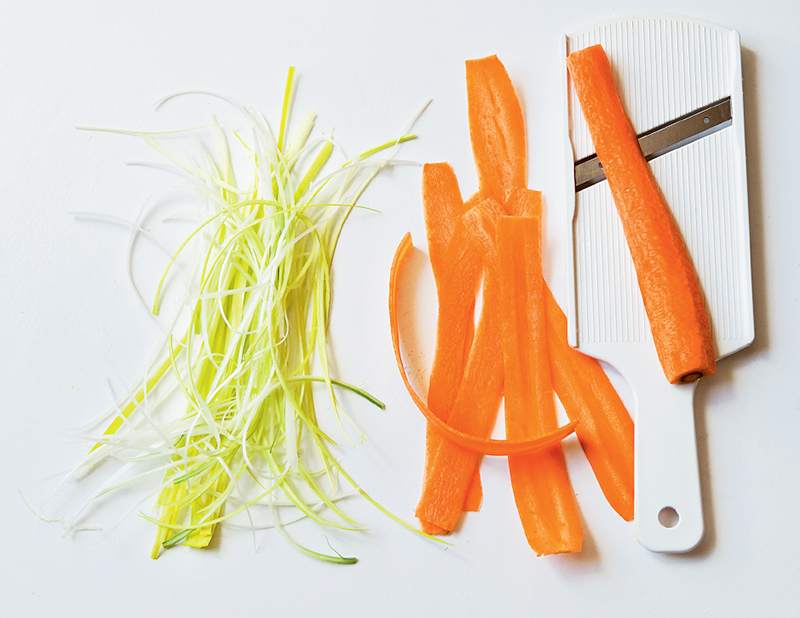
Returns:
(668, 517)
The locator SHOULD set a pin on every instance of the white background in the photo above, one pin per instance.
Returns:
(71, 323)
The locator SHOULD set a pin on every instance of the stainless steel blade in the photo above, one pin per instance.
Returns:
(663, 139)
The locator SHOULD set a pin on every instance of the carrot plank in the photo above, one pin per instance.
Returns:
(542, 489)
(496, 129)
(605, 429)
(442, 206)
(451, 469)
(476, 444)
(462, 268)
(667, 279)
(522, 202)
(457, 271)
(474, 497)
(473, 200)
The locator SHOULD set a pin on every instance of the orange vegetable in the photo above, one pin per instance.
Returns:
(442, 208)
(474, 498)
(466, 441)
(667, 279)
(496, 129)
(605, 429)
(524, 203)
(457, 272)
(451, 474)
(542, 489)
(451, 469)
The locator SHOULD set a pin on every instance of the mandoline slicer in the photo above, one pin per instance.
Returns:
(667, 69)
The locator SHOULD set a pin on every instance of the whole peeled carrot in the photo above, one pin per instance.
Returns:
(670, 289)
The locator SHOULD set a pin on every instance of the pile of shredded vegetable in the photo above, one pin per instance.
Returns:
(251, 356)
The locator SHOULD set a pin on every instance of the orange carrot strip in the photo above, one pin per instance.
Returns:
(474, 497)
(466, 441)
(475, 410)
(442, 207)
(451, 470)
(496, 129)
(457, 272)
(473, 200)
(667, 279)
(542, 489)
(521, 202)
(605, 429)
(447, 467)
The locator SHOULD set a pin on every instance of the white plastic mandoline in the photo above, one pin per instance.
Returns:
(665, 67)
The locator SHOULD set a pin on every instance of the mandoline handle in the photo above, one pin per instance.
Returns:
(667, 500)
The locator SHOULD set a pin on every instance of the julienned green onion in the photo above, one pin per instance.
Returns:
(255, 343)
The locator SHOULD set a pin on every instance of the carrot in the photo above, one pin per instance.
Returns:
(464, 440)
(496, 129)
(451, 473)
(542, 489)
(670, 289)
(474, 497)
(451, 469)
(522, 202)
(442, 207)
(456, 292)
(457, 272)
(605, 429)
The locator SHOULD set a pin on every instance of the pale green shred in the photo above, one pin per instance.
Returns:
(255, 344)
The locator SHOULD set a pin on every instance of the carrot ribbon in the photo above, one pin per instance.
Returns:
(496, 129)
(542, 489)
(466, 441)
(457, 272)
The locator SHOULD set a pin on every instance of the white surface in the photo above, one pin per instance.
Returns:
(665, 67)
(71, 321)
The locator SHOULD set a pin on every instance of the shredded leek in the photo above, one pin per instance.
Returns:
(247, 433)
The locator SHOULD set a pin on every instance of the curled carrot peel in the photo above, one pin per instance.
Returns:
(670, 288)
(605, 429)
(542, 489)
(496, 129)
(466, 441)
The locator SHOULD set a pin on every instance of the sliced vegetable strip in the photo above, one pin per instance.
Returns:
(523, 202)
(496, 129)
(474, 497)
(542, 489)
(442, 206)
(457, 272)
(667, 279)
(476, 444)
(604, 429)
(449, 470)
